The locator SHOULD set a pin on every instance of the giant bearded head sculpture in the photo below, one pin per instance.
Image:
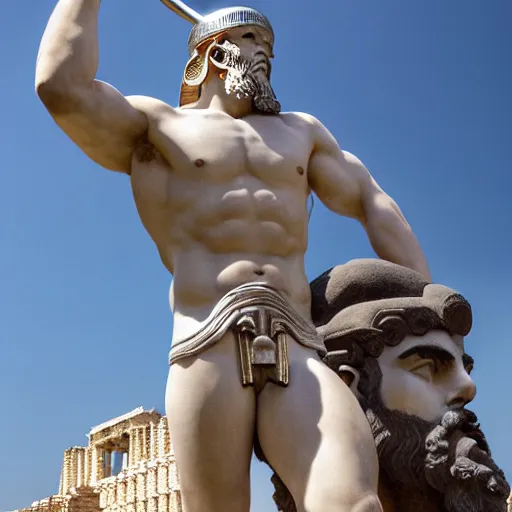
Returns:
(236, 44)
(398, 341)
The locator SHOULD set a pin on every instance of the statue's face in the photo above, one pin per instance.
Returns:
(255, 46)
(414, 397)
(426, 375)
(242, 57)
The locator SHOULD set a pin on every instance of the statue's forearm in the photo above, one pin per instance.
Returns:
(68, 55)
(393, 240)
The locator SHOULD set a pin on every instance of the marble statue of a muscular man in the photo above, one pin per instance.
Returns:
(221, 185)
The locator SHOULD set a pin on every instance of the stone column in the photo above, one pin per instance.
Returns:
(101, 464)
(140, 488)
(151, 482)
(145, 443)
(173, 482)
(92, 468)
(175, 502)
(153, 441)
(161, 437)
(107, 464)
(140, 444)
(162, 476)
(87, 466)
(136, 446)
(74, 468)
(80, 468)
(131, 447)
(153, 504)
(96, 465)
(111, 494)
(167, 440)
(103, 496)
(131, 490)
(66, 472)
(163, 503)
(121, 493)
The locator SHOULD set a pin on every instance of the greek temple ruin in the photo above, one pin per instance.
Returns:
(127, 466)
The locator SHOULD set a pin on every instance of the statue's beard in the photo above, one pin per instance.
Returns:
(243, 82)
(450, 456)
(443, 465)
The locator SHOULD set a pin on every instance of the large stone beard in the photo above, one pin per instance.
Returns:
(449, 456)
(441, 466)
(242, 82)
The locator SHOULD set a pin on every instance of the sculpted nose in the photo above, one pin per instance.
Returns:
(464, 390)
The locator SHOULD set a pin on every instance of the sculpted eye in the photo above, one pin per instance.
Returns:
(426, 370)
(248, 35)
(218, 54)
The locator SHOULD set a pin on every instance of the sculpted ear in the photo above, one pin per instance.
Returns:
(350, 377)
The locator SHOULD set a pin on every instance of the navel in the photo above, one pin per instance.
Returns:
(199, 162)
(259, 272)
(300, 170)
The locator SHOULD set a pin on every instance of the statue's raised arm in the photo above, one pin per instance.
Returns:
(97, 117)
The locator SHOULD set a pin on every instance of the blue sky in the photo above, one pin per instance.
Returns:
(420, 91)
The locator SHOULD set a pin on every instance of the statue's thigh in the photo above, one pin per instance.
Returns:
(317, 438)
(211, 422)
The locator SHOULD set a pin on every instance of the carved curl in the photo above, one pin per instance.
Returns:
(457, 314)
(391, 325)
(367, 304)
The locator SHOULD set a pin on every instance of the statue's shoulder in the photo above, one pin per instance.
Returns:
(306, 119)
(152, 107)
(304, 116)
(303, 119)
(308, 122)
(298, 117)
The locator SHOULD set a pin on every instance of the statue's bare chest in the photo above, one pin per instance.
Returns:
(221, 149)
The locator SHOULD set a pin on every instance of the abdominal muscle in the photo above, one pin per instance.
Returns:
(202, 278)
(214, 237)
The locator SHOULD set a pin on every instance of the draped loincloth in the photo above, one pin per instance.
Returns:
(261, 319)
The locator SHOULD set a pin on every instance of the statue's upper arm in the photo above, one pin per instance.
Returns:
(337, 177)
(105, 124)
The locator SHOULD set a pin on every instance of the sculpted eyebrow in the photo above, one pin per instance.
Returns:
(428, 352)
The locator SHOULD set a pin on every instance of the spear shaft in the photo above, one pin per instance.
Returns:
(183, 10)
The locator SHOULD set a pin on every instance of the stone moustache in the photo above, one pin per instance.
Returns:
(221, 184)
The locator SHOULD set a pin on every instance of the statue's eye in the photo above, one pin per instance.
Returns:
(425, 371)
(218, 54)
(248, 35)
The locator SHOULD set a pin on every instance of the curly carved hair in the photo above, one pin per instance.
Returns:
(392, 303)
